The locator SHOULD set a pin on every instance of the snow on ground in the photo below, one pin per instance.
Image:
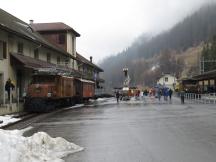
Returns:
(102, 101)
(8, 119)
(75, 106)
(40, 147)
(99, 100)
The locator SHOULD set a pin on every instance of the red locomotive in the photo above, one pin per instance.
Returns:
(48, 92)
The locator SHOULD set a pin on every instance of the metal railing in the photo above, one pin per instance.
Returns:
(209, 98)
(100, 91)
(13, 98)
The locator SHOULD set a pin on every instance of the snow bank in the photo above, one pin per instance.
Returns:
(38, 148)
(8, 119)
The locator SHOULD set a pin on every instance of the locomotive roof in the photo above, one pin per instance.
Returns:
(84, 80)
(52, 74)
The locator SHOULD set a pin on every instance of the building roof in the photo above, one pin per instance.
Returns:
(86, 61)
(55, 26)
(206, 75)
(18, 27)
(35, 64)
(30, 62)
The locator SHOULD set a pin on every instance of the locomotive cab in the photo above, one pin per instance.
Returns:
(47, 92)
(42, 86)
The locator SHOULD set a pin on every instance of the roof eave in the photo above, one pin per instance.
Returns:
(59, 30)
(35, 41)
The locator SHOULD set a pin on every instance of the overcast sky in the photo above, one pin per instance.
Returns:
(106, 26)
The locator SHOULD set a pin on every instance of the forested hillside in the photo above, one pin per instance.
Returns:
(147, 58)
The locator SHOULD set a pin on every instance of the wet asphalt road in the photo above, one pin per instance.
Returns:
(137, 131)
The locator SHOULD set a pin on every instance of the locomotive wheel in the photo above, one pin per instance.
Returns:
(39, 105)
(35, 105)
(72, 102)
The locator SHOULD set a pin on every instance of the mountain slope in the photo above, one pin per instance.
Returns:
(146, 53)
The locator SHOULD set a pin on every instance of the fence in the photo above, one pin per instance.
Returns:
(209, 98)
(9, 100)
(100, 91)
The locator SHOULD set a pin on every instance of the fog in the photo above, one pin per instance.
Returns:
(106, 26)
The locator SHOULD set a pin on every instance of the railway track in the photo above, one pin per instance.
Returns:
(27, 119)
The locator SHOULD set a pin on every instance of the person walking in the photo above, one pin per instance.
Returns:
(170, 93)
(8, 87)
(182, 93)
(159, 93)
(165, 93)
(117, 96)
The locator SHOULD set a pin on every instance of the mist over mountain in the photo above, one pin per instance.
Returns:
(150, 56)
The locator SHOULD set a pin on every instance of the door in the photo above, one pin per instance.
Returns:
(19, 82)
(1, 88)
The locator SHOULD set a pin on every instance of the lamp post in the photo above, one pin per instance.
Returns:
(125, 70)
(127, 78)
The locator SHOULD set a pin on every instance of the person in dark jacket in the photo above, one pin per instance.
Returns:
(8, 87)
(117, 96)
(170, 93)
(182, 93)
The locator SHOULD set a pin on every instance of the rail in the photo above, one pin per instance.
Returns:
(209, 98)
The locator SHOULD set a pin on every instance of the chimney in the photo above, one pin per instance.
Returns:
(31, 21)
(90, 58)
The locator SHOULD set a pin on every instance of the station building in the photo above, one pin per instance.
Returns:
(64, 37)
(167, 80)
(206, 82)
(26, 47)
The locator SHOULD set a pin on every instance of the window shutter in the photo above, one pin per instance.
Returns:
(4, 50)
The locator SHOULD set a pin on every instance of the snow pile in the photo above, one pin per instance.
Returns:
(38, 148)
(7, 119)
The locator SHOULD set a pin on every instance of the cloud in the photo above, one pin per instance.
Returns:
(106, 26)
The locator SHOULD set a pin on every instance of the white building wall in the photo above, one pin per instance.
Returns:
(71, 44)
(4, 66)
(7, 71)
(169, 83)
(71, 48)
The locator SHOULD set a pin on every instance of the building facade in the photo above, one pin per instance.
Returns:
(91, 71)
(206, 82)
(25, 48)
(167, 80)
(64, 37)
(61, 35)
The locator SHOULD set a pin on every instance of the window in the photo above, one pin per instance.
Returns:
(36, 54)
(48, 57)
(212, 82)
(66, 62)
(61, 38)
(166, 79)
(58, 60)
(3, 50)
(20, 48)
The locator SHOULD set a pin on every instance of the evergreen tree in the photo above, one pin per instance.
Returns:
(209, 55)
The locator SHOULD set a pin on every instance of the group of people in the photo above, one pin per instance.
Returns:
(158, 92)
(166, 92)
